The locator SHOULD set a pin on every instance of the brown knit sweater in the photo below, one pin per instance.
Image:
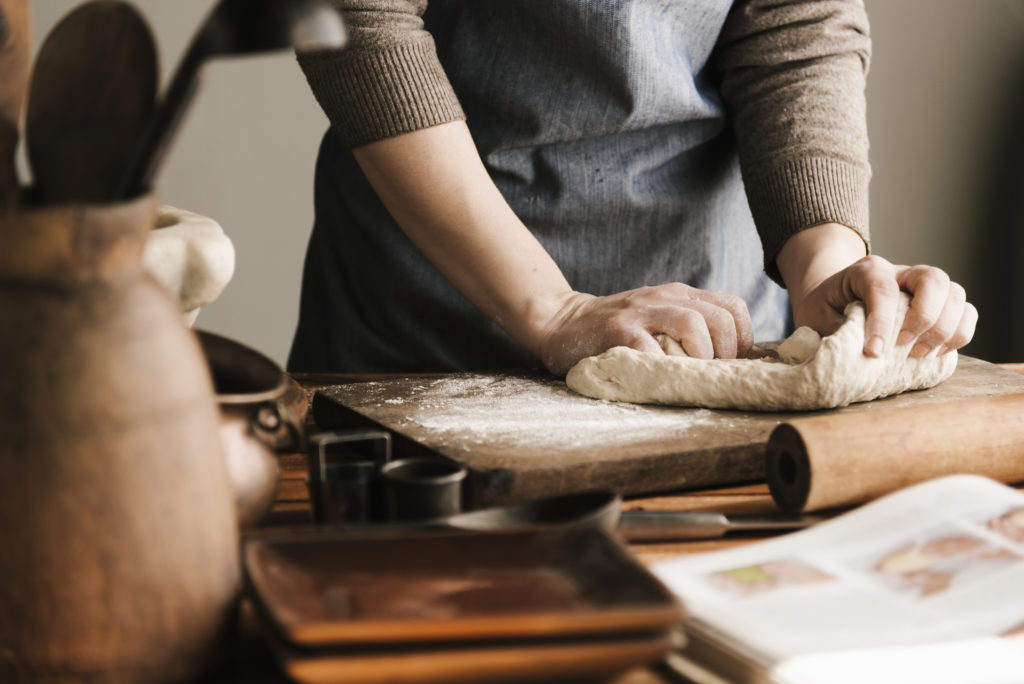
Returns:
(792, 75)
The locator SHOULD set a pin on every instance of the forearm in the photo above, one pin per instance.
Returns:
(436, 188)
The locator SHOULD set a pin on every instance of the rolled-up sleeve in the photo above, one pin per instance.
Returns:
(387, 80)
(793, 77)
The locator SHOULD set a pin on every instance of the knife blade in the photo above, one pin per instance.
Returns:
(641, 525)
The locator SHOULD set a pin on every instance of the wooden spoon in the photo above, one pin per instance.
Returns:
(15, 56)
(93, 93)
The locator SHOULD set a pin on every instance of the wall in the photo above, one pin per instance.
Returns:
(244, 156)
(946, 119)
(944, 111)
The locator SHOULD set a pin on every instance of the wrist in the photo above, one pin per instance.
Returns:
(814, 254)
(538, 316)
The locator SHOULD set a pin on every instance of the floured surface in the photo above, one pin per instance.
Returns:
(524, 436)
(834, 374)
(465, 412)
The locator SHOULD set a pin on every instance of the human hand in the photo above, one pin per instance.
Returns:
(939, 318)
(707, 324)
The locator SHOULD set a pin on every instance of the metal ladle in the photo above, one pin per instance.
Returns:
(233, 27)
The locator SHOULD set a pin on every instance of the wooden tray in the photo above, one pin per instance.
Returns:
(330, 589)
(600, 659)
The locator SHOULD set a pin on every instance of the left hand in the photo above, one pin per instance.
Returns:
(825, 268)
(940, 317)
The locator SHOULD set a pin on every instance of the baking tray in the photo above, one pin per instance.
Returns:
(332, 588)
(481, 663)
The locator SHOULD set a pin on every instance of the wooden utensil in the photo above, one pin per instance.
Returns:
(15, 56)
(838, 459)
(234, 27)
(93, 93)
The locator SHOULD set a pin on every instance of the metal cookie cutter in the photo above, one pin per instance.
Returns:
(343, 467)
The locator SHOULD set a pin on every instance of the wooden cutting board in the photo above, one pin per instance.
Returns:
(523, 437)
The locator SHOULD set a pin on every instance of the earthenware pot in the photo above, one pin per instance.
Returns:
(118, 534)
(260, 418)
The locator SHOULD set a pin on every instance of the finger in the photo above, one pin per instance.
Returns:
(641, 340)
(930, 291)
(721, 327)
(945, 325)
(964, 331)
(690, 329)
(872, 279)
(700, 321)
(737, 309)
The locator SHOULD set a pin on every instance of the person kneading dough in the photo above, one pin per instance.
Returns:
(519, 183)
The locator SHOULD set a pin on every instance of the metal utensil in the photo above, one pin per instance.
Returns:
(603, 509)
(93, 93)
(669, 525)
(599, 509)
(15, 38)
(233, 27)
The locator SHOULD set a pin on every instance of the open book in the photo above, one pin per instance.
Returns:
(925, 585)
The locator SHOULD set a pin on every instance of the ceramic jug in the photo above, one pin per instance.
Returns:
(118, 538)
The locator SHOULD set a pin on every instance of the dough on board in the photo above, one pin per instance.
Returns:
(807, 372)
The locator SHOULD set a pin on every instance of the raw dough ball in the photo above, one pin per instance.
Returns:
(190, 256)
(809, 374)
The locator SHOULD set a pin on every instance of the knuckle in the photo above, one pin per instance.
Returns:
(970, 312)
(734, 304)
(691, 320)
(873, 262)
(936, 275)
(676, 288)
(925, 319)
(720, 319)
(957, 293)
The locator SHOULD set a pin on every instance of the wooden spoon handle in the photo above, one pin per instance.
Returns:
(15, 58)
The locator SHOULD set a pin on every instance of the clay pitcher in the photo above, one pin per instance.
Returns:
(118, 540)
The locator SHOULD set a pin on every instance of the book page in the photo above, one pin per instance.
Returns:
(936, 563)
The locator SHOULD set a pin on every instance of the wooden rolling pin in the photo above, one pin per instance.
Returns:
(841, 459)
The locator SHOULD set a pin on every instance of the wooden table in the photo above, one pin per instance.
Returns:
(252, 661)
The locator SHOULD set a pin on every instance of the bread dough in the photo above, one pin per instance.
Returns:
(191, 258)
(804, 372)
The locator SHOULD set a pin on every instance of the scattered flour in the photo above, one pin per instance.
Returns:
(470, 409)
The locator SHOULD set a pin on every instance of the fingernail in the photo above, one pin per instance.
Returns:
(875, 346)
(920, 349)
(905, 337)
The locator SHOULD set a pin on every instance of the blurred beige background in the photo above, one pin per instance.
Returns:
(946, 117)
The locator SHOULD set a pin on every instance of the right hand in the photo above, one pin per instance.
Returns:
(707, 324)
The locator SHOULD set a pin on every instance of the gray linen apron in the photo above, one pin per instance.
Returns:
(601, 124)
